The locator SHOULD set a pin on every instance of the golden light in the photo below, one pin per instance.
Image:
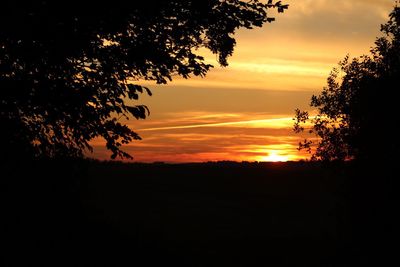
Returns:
(274, 156)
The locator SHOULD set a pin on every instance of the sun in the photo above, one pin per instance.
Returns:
(274, 156)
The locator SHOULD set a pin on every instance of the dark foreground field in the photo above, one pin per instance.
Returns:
(211, 214)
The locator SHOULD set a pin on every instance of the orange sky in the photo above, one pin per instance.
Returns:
(244, 111)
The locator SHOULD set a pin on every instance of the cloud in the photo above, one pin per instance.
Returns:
(267, 123)
(334, 21)
(310, 7)
(218, 139)
(298, 50)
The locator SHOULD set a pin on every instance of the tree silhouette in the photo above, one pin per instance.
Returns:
(70, 69)
(357, 110)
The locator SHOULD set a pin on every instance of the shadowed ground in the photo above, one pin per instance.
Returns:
(225, 214)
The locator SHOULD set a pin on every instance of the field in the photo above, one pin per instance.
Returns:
(209, 214)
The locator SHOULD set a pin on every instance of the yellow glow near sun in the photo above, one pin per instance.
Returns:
(274, 156)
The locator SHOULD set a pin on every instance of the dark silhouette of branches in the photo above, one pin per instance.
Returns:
(67, 68)
(357, 112)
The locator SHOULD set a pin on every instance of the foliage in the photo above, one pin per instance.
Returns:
(69, 69)
(357, 111)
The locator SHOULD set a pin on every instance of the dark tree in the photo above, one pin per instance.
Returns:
(357, 112)
(69, 69)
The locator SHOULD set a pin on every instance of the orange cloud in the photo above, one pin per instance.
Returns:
(244, 139)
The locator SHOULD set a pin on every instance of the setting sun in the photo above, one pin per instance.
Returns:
(274, 156)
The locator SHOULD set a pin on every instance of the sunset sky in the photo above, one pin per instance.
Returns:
(244, 111)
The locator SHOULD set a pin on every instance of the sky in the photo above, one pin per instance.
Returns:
(244, 112)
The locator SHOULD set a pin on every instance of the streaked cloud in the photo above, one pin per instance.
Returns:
(242, 138)
(266, 123)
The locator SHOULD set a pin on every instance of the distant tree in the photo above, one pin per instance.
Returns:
(69, 69)
(358, 112)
